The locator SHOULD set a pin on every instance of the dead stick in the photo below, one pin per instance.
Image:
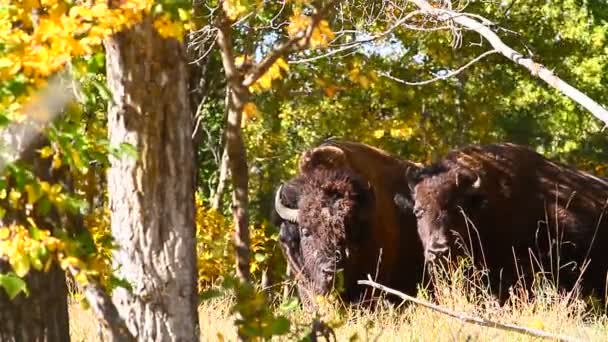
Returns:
(468, 318)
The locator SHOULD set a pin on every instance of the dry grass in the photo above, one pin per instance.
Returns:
(548, 311)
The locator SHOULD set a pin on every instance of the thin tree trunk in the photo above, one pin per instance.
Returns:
(237, 158)
(216, 201)
(152, 195)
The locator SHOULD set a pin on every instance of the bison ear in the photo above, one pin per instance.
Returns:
(413, 175)
(325, 156)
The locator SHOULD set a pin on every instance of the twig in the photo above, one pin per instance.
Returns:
(359, 42)
(443, 77)
(468, 318)
(536, 69)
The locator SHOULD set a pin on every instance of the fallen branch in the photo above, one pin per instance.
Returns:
(468, 318)
(104, 309)
(535, 69)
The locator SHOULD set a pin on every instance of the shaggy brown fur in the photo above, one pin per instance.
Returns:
(524, 205)
(348, 222)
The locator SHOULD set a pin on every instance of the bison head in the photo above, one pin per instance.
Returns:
(442, 201)
(333, 215)
(286, 201)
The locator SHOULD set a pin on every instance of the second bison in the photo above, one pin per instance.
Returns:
(515, 212)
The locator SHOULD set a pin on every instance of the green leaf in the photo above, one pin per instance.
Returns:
(124, 149)
(280, 326)
(104, 92)
(290, 305)
(259, 257)
(210, 294)
(13, 285)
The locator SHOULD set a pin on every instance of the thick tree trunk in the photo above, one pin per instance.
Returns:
(41, 316)
(152, 196)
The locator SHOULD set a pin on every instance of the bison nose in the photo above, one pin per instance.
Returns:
(436, 251)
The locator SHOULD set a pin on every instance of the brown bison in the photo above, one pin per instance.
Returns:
(338, 216)
(504, 203)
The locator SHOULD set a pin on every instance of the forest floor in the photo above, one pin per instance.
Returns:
(549, 312)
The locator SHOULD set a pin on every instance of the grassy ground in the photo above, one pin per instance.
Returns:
(548, 311)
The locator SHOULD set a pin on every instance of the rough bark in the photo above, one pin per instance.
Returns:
(41, 316)
(152, 196)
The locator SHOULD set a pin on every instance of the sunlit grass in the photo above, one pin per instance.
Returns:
(548, 311)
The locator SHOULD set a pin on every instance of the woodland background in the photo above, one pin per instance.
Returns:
(249, 85)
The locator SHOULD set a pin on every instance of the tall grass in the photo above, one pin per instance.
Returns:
(545, 308)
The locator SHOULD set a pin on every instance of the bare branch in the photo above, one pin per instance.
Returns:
(535, 69)
(442, 77)
(360, 42)
(466, 317)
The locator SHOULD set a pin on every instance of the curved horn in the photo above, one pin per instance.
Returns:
(285, 213)
(477, 183)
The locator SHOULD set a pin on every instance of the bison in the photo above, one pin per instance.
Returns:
(516, 213)
(338, 216)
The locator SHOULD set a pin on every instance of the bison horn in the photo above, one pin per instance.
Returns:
(477, 183)
(285, 213)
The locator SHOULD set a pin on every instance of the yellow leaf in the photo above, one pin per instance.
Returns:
(14, 197)
(21, 265)
(379, 133)
(45, 152)
(56, 161)
(4, 233)
(250, 110)
(282, 64)
(364, 81)
(233, 8)
(297, 24)
(33, 193)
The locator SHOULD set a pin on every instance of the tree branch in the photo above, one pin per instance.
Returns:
(446, 76)
(535, 69)
(468, 318)
(282, 49)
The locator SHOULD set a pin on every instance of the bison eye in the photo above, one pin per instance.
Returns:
(305, 232)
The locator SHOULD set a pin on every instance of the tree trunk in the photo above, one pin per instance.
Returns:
(152, 195)
(237, 159)
(41, 316)
(235, 147)
(216, 200)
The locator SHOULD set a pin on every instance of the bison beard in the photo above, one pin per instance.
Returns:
(338, 217)
(515, 212)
